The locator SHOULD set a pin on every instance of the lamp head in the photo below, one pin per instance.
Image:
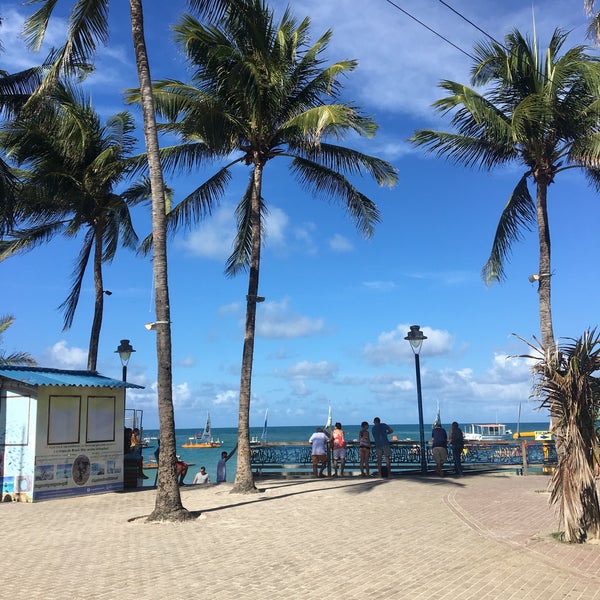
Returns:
(124, 350)
(415, 337)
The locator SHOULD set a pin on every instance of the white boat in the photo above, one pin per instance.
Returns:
(487, 432)
(203, 439)
(262, 440)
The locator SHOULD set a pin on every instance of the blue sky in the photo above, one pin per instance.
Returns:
(337, 306)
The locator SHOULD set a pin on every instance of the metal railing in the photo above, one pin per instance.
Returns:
(295, 457)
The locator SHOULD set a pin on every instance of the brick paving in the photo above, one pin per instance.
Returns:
(485, 536)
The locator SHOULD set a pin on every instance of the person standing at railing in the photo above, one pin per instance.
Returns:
(364, 448)
(318, 440)
(457, 441)
(382, 445)
(439, 451)
(339, 449)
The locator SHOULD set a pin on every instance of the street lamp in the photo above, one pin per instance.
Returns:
(124, 350)
(415, 337)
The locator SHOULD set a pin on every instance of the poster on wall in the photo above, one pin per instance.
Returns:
(81, 454)
(64, 416)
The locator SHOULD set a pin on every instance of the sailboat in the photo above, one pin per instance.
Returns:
(203, 439)
(256, 441)
(328, 424)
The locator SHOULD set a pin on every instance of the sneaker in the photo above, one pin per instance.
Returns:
(142, 476)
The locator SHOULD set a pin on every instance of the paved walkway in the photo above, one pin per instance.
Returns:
(480, 537)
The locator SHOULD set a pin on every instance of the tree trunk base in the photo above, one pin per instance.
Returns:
(173, 516)
(244, 488)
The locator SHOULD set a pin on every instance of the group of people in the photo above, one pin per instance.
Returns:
(440, 441)
(381, 442)
(323, 436)
(202, 477)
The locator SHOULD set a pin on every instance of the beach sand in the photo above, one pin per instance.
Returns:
(482, 536)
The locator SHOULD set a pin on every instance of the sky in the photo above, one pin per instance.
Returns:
(331, 330)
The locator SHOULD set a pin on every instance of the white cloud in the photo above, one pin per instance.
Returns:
(322, 370)
(227, 398)
(379, 286)
(187, 361)
(276, 320)
(181, 393)
(63, 357)
(276, 223)
(392, 348)
(339, 243)
(212, 238)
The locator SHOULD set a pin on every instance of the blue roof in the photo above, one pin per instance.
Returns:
(38, 376)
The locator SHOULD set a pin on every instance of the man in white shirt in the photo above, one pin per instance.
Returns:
(201, 477)
(319, 441)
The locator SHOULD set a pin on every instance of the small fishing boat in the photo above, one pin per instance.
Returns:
(487, 432)
(203, 439)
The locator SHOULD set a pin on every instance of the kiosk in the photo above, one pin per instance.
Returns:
(61, 433)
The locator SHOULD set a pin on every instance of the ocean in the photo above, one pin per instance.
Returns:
(208, 457)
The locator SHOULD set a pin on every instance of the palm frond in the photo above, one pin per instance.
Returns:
(518, 213)
(332, 185)
(69, 306)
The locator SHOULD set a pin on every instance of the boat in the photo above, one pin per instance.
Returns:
(204, 439)
(487, 432)
(329, 419)
(262, 440)
(536, 435)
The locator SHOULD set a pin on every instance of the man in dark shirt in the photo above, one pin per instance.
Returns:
(439, 441)
(382, 445)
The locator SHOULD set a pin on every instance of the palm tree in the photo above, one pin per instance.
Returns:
(15, 91)
(260, 92)
(570, 388)
(593, 30)
(14, 358)
(88, 25)
(72, 165)
(538, 110)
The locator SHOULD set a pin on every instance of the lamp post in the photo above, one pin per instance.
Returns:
(124, 350)
(415, 337)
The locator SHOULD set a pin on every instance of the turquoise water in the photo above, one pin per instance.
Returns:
(208, 457)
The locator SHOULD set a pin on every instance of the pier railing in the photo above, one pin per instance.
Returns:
(294, 458)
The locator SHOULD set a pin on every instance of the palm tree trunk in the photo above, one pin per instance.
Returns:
(98, 302)
(244, 482)
(168, 504)
(546, 328)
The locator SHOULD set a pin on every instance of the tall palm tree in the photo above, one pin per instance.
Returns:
(570, 387)
(72, 165)
(14, 358)
(537, 110)
(88, 26)
(260, 92)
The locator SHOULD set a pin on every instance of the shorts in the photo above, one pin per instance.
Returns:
(440, 455)
(339, 453)
(319, 458)
(383, 451)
